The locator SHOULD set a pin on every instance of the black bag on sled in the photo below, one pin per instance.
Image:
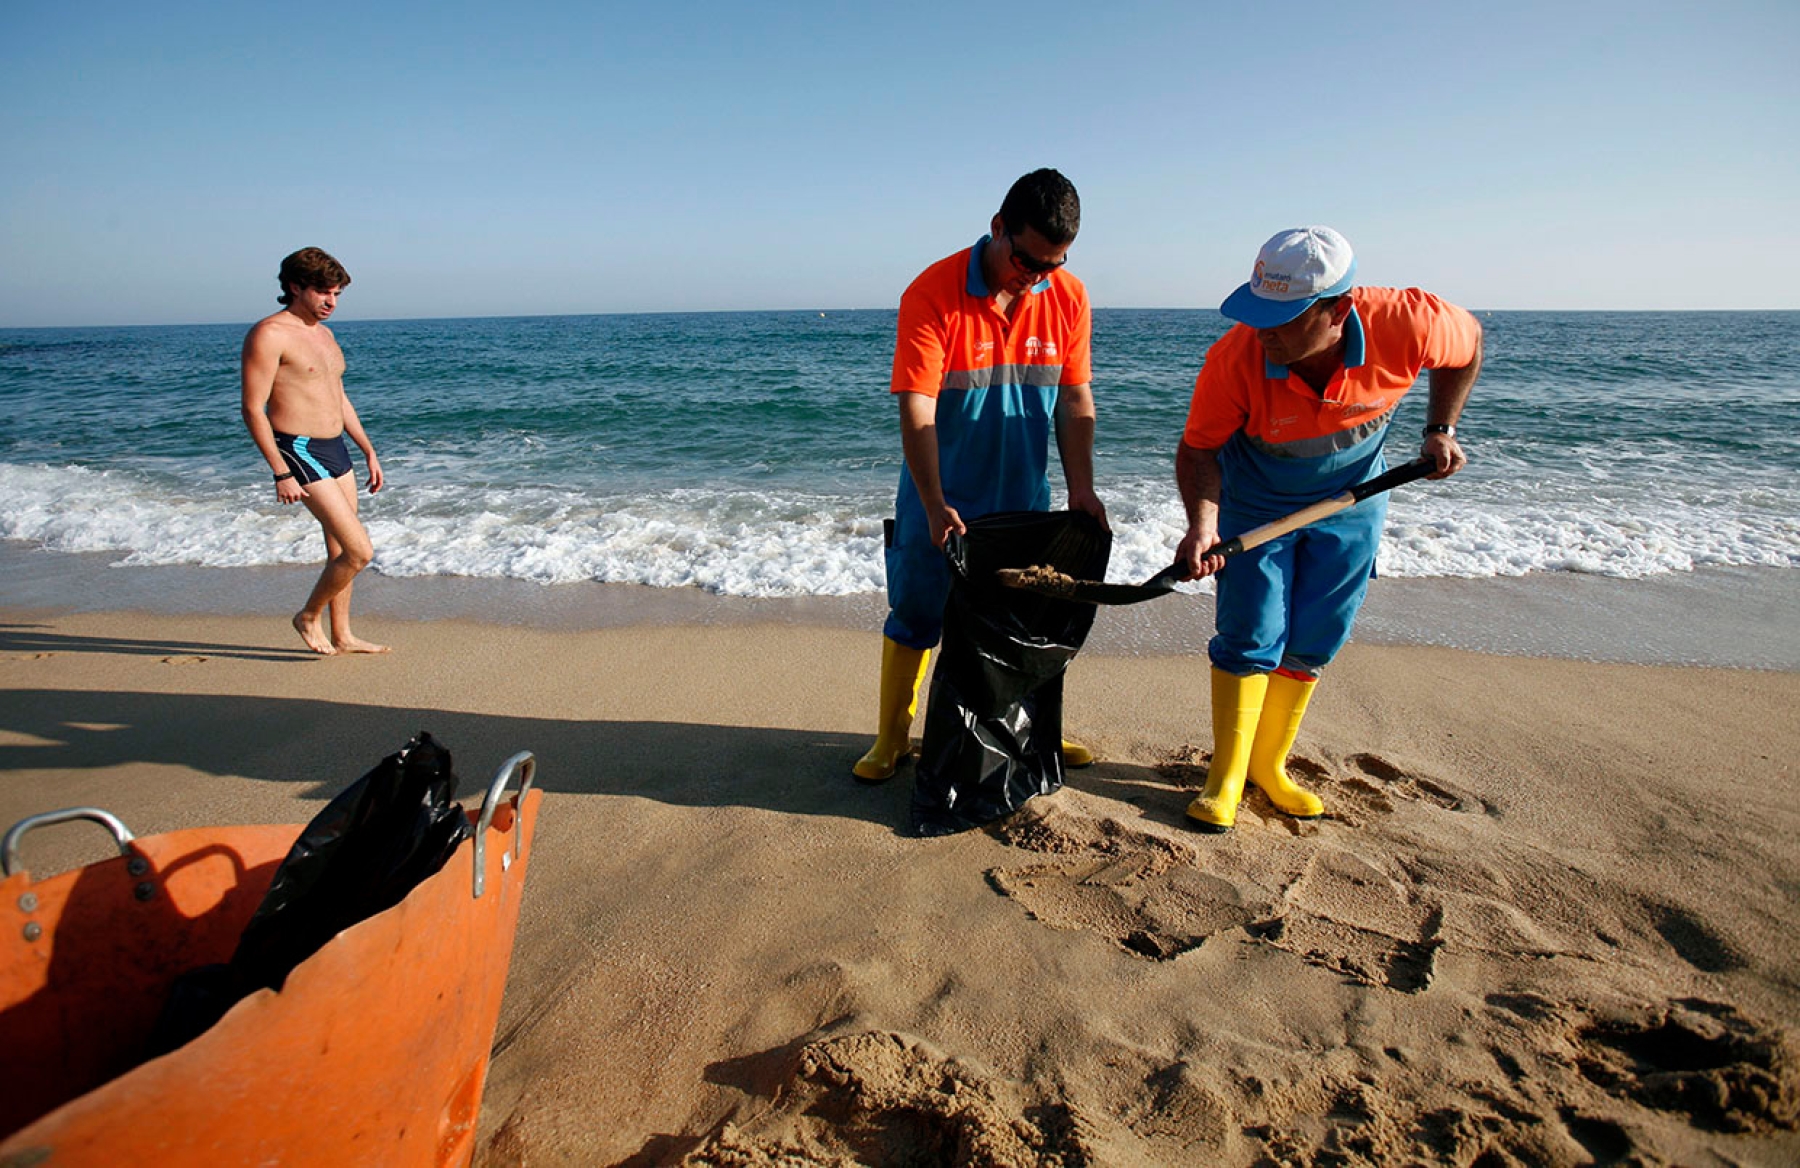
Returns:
(382, 836)
(993, 727)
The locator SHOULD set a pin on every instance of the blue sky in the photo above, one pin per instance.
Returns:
(522, 158)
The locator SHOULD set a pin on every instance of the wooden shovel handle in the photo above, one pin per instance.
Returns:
(1274, 529)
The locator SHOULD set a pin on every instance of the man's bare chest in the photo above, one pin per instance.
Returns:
(307, 363)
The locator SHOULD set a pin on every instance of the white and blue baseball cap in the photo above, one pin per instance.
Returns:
(1295, 268)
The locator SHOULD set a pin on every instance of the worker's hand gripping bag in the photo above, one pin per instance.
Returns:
(993, 727)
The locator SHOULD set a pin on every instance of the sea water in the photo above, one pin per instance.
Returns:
(756, 454)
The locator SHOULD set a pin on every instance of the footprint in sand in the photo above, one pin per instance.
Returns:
(1699, 1059)
(1373, 785)
(1344, 914)
(1139, 900)
(1140, 891)
(1148, 895)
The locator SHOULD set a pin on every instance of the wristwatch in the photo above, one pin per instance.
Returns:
(1444, 428)
(281, 478)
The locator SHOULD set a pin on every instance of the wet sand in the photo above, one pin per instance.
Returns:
(1740, 618)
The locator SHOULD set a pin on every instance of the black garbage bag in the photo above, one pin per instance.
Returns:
(993, 725)
(384, 835)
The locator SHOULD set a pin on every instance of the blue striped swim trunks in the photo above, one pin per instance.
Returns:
(312, 459)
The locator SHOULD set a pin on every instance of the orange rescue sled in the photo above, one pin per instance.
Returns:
(373, 1052)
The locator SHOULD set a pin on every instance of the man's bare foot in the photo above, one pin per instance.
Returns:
(313, 635)
(358, 645)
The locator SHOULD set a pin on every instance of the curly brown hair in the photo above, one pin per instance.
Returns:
(310, 267)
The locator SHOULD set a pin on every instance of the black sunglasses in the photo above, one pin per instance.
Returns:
(1030, 264)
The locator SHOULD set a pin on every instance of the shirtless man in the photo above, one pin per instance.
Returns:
(298, 414)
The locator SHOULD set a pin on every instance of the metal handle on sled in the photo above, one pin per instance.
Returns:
(525, 766)
(9, 847)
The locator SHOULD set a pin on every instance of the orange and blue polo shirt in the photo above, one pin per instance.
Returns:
(996, 380)
(1283, 445)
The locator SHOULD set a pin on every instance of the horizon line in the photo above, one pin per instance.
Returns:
(820, 311)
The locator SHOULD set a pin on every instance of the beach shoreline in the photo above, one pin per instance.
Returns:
(1539, 880)
(1738, 617)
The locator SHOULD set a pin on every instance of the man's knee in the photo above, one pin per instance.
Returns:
(356, 554)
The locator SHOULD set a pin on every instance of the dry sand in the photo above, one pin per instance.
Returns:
(1549, 918)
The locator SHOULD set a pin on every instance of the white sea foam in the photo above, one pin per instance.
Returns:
(752, 543)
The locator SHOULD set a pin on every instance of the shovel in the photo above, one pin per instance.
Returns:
(1053, 583)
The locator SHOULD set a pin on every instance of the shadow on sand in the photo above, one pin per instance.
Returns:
(25, 640)
(323, 746)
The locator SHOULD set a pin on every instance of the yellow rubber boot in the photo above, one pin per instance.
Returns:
(1237, 703)
(1282, 710)
(1075, 755)
(901, 671)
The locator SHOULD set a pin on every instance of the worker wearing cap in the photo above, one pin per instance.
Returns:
(1291, 406)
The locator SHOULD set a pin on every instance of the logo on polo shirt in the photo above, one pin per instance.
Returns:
(1032, 345)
